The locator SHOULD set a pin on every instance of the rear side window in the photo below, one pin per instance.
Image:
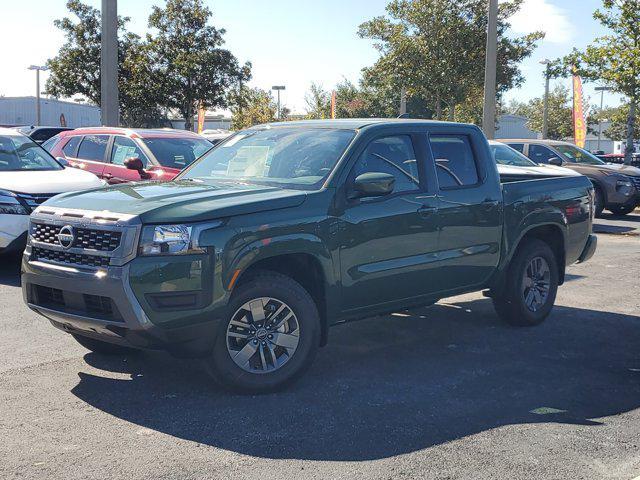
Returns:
(454, 159)
(71, 147)
(393, 155)
(541, 154)
(52, 142)
(93, 147)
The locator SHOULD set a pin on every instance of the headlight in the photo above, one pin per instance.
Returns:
(624, 185)
(10, 205)
(168, 240)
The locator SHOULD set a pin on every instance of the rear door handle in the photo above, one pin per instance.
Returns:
(426, 211)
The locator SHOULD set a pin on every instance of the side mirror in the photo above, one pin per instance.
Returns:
(63, 161)
(555, 161)
(373, 184)
(134, 163)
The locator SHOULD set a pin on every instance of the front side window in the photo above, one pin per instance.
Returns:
(19, 153)
(393, 155)
(51, 143)
(93, 147)
(125, 148)
(541, 154)
(578, 155)
(506, 155)
(177, 152)
(455, 161)
(295, 157)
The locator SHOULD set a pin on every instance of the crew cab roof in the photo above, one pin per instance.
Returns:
(354, 123)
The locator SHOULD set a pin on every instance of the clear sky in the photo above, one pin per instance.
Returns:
(290, 42)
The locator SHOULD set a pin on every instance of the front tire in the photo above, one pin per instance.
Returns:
(269, 338)
(598, 202)
(531, 285)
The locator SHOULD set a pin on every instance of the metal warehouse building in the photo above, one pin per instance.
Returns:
(22, 111)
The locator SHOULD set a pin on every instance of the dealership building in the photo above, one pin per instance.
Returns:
(22, 111)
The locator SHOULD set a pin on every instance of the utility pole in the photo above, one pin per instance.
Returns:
(278, 88)
(38, 69)
(601, 90)
(403, 101)
(545, 111)
(489, 110)
(109, 102)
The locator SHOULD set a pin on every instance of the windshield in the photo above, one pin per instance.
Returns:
(505, 155)
(295, 157)
(177, 152)
(578, 155)
(20, 153)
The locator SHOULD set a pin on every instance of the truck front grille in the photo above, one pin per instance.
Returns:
(636, 182)
(86, 238)
(63, 257)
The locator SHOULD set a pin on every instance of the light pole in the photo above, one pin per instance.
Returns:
(601, 90)
(489, 110)
(545, 112)
(278, 88)
(109, 103)
(38, 69)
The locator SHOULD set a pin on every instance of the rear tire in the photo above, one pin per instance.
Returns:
(622, 209)
(531, 285)
(269, 338)
(104, 348)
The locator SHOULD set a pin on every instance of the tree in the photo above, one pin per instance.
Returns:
(615, 58)
(76, 68)
(251, 106)
(617, 116)
(189, 65)
(318, 102)
(560, 113)
(435, 49)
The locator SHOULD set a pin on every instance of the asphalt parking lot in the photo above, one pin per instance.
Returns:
(442, 392)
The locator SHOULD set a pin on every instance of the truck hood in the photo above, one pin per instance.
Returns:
(49, 181)
(181, 201)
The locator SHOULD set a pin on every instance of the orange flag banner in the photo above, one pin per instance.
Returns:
(200, 118)
(579, 122)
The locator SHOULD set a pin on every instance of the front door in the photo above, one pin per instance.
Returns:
(123, 148)
(387, 242)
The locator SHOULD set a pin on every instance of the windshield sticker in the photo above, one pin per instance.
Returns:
(249, 161)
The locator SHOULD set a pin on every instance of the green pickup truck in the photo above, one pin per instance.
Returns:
(282, 230)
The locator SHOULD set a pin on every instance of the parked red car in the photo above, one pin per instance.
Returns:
(122, 155)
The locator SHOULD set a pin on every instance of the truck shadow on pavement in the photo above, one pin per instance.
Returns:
(393, 385)
(10, 269)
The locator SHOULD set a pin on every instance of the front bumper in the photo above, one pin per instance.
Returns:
(13, 231)
(101, 305)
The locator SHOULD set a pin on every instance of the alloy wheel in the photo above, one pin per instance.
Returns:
(536, 282)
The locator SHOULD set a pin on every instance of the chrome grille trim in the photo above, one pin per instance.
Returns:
(111, 225)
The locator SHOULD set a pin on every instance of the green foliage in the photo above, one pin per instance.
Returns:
(76, 68)
(614, 59)
(318, 102)
(189, 65)
(560, 113)
(436, 49)
(251, 106)
(618, 116)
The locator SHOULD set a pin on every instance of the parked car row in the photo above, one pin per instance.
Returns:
(617, 187)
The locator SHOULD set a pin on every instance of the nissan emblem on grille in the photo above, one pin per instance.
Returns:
(66, 236)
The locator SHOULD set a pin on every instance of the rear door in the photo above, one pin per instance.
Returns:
(387, 242)
(91, 154)
(470, 210)
(122, 149)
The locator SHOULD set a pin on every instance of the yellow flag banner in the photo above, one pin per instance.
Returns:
(579, 123)
(200, 118)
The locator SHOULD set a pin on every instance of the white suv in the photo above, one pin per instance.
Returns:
(28, 177)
